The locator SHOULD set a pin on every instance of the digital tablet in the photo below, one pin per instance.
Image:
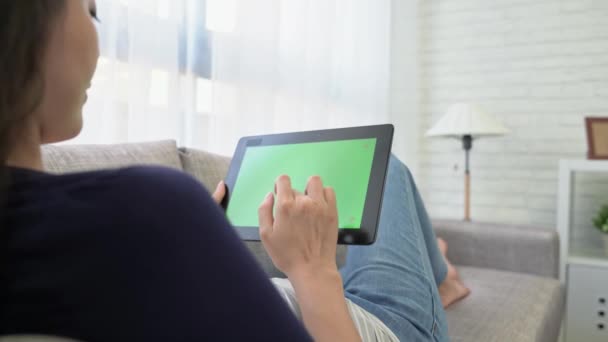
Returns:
(353, 161)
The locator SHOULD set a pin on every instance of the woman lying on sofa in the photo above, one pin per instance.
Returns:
(144, 253)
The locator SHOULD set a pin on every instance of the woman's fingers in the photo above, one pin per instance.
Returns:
(283, 189)
(302, 230)
(219, 193)
(314, 188)
(330, 196)
(265, 217)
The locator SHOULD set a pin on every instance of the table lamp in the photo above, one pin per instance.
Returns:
(466, 122)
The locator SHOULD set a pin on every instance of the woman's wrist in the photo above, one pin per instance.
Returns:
(314, 274)
(321, 298)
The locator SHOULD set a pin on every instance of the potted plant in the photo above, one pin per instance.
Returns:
(601, 222)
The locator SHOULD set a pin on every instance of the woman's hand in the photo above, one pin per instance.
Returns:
(219, 193)
(303, 233)
(301, 239)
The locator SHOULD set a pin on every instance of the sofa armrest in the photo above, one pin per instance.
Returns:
(523, 249)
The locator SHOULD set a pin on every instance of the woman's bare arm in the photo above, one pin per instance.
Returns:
(324, 310)
(301, 239)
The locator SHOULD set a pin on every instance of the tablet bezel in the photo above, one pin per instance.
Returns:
(365, 235)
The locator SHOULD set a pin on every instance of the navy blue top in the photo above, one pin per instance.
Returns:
(138, 254)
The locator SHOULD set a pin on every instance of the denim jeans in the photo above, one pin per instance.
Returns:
(396, 278)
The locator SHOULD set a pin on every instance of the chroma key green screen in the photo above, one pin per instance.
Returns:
(345, 165)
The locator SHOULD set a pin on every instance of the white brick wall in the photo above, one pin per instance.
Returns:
(404, 85)
(539, 66)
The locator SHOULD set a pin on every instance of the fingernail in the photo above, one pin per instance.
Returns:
(269, 196)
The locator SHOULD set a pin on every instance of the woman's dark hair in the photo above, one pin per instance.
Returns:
(24, 29)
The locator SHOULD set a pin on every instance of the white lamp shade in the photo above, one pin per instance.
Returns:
(466, 119)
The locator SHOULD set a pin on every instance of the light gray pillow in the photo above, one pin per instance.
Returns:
(208, 168)
(77, 158)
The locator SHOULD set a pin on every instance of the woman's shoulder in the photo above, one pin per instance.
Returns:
(134, 178)
(157, 185)
(153, 196)
(131, 176)
(143, 188)
(159, 177)
(113, 207)
(149, 184)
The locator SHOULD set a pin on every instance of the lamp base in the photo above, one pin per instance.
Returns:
(467, 145)
(467, 196)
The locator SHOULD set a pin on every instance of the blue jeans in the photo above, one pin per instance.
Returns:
(396, 278)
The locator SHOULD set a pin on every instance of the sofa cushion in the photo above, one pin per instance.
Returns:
(506, 306)
(208, 168)
(76, 158)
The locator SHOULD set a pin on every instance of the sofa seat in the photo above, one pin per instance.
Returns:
(506, 306)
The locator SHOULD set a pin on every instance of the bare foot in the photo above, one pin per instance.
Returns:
(452, 289)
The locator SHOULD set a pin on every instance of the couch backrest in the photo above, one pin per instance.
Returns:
(207, 167)
(507, 247)
(77, 158)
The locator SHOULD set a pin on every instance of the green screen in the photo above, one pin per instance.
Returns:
(344, 165)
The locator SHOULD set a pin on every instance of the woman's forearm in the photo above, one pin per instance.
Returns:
(323, 306)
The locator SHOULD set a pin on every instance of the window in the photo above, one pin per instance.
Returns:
(135, 16)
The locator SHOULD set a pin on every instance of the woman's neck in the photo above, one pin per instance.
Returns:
(26, 152)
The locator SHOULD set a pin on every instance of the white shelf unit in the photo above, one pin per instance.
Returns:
(578, 253)
(583, 268)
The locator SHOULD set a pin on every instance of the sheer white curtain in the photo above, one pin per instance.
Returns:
(144, 88)
(208, 72)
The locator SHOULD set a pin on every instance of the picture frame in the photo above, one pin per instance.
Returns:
(597, 137)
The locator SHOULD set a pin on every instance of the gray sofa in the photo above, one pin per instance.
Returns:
(510, 270)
